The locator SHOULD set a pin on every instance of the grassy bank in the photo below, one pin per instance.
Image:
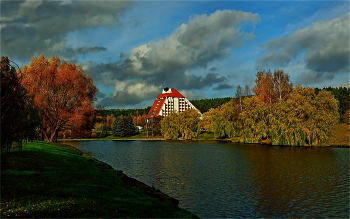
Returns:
(339, 135)
(51, 180)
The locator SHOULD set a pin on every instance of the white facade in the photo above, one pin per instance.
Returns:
(169, 101)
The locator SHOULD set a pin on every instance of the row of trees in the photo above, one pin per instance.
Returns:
(277, 112)
(43, 97)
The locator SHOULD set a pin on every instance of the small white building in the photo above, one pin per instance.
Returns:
(169, 101)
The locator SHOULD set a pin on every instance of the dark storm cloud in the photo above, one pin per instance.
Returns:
(213, 69)
(32, 28)
(223, 87)
(326, 47)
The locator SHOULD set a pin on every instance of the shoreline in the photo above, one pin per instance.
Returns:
(220, 140)
(52, 180)
(151, 191)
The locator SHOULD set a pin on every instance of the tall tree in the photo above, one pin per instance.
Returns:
(123, 126)
(19, 117)
(61, 92)
(282, 86)
(272, 87)
(263, 88)
(239, 94)
(247, 91)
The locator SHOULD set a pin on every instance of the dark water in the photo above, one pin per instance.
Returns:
(214, 179)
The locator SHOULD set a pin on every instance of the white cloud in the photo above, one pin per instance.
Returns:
(190, 95)
(168, 62)
(324, 43)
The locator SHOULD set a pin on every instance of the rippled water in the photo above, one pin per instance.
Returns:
(214, 179)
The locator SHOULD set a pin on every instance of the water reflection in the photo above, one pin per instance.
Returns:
(233, 180)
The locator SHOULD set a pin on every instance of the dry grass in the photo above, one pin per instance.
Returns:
(339, 135)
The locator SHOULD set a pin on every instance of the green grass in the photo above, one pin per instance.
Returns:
(206, 136)
(52, 180)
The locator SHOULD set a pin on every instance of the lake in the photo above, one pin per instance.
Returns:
(217, 179)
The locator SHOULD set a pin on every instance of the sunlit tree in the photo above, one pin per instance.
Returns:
(255, 117)
(304, 118)
(61, 91)
(170, 126)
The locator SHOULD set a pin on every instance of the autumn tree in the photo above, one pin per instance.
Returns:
(255, 117)
(239, 94)
(61, 91)
(19, 117)
(221, 120)
(109, 120)
(304, 118)
(170, 126)
(271, 87)
(208, 118)
(189, 123)
(247, 91)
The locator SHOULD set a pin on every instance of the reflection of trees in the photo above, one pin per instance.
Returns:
(289, 181)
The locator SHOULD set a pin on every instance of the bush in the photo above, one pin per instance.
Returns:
(101, 135)
(73, 134)
(60, 135)
(94, 135)
(66, 134)
(87, 134)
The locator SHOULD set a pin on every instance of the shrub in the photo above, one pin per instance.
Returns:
(87, 134)
(94, 135)
(73, 134)
(101, 135)
(67, 134)
(60, 134)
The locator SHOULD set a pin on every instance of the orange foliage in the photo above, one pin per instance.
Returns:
(62, 93)
(269, 88)
(139, 120)
(110, 120)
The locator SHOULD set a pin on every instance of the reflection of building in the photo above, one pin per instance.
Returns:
(170, 100)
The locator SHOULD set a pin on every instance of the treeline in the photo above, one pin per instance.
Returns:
(277, 112)
(122, 112)
(204, 105)
(342, 94)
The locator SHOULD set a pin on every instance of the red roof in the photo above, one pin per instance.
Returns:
(157, 105)
(174, 93)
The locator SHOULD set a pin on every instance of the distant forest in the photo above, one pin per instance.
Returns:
(202, 105)
(342, 94)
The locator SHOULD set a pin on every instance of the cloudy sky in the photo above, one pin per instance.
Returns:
(204, 49)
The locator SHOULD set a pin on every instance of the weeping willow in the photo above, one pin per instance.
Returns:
(304, 118)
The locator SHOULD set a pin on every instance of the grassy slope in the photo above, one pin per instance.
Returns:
(339, 135)
(51, 180)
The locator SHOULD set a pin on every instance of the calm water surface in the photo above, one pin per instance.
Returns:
(214, 179)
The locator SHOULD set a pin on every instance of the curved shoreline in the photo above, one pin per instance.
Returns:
(221, 140)
(151, 191)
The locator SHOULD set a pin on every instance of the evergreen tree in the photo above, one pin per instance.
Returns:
(123, 126)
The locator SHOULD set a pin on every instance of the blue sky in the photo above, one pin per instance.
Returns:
(204, 49)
